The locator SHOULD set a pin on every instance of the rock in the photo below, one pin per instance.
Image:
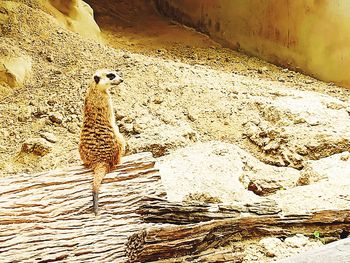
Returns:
(126, 56)
(15, 66)
(298, 126)
(320, 195)
(191, 116)
(56, 118)
(157, 100)
(265, 179)
(335, 169)
(49, 58)
(262, 70)
(309, 81)
(205, 198)
(127, 128)
(75, 15)
(272, 246)
(296, 241)
(210, 169)
(152, 134)
(49, 137)
(39, 147)
(39, 112)
(73, 128)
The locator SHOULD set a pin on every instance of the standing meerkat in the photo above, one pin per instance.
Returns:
(101, 144)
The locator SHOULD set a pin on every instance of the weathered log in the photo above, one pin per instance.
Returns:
(162, 211)
(338, 251)
(158, 243)
(48, 217)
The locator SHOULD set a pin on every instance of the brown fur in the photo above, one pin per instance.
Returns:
(101, 144)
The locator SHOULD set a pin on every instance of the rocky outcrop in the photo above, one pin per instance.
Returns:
(295, 126)
(335, 169)
(75, 15)
(15, 65)
(222, 172)
(219, 172)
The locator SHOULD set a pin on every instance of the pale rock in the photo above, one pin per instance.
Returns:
(306, 126)
(335, 169)
(50, 137)
(15, 66)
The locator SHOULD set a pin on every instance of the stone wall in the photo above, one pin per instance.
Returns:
(312, 36)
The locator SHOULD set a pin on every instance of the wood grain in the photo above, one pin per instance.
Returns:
(48, 216)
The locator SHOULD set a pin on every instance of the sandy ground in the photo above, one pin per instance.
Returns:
(178, 82)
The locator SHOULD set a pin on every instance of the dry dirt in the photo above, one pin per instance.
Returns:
(179, 88)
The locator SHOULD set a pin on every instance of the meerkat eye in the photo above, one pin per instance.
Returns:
(97, 79)
(110, 76)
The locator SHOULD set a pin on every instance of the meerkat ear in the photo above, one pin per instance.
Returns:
(97, 79)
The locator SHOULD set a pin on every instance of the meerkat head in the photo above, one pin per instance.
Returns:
(105, 78)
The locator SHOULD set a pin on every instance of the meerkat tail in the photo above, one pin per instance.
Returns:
(99, 173)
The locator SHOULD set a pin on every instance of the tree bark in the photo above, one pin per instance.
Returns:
(48, 216)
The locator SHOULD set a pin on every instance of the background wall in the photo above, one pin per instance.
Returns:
(312, 36)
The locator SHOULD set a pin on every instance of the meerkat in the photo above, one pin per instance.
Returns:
(101, 144)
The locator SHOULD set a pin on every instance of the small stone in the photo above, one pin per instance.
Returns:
(72, 128)
(21, 118)
(262, 70)
(39, 112)
(309, 81)
(57, 72)
(49, 58)
(137, 128)
(157, 100)
(5, 133)
(38, 146)
(191, 117)
(126, 56)
(297, 241)
(118, 115)
(285, 70)
(271, 246)
(127, 127)
(49, 137)
(345, 156)
(51, 102)
(280, 79)
(56, 118)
